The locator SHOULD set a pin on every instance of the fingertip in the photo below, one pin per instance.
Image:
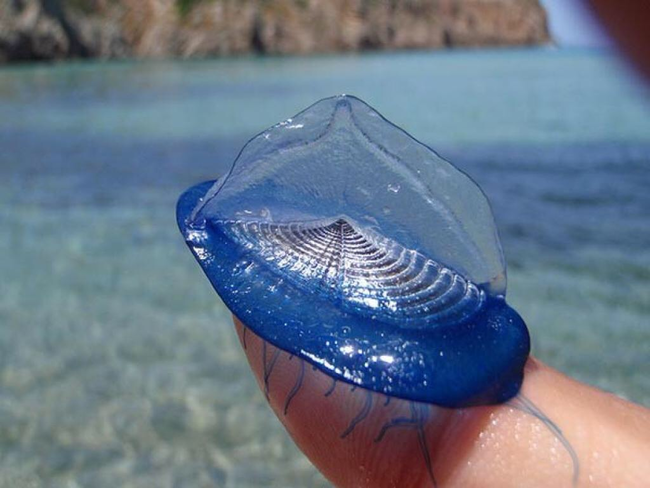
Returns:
(355, 437)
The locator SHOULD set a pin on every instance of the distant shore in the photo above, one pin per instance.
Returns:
(32, 30)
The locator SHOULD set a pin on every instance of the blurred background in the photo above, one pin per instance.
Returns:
(119, 365)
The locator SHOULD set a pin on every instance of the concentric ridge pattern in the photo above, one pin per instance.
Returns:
(363, 271)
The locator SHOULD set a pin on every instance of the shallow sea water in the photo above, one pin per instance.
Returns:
(119, 365)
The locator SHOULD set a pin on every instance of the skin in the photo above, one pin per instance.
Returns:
(627, 22)
(492, 446)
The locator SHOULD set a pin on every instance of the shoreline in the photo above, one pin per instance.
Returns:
(549, 48)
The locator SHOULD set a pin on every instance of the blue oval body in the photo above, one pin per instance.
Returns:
(309, 265)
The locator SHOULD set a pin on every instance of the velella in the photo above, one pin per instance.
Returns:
(343, 241)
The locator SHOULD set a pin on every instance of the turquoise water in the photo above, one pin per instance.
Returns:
(118, 364)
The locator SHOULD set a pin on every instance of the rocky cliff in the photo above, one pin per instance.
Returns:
(52, 29)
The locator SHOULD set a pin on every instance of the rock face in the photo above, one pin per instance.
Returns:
(52, 29)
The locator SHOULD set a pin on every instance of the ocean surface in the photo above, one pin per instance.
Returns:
(119, 366)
